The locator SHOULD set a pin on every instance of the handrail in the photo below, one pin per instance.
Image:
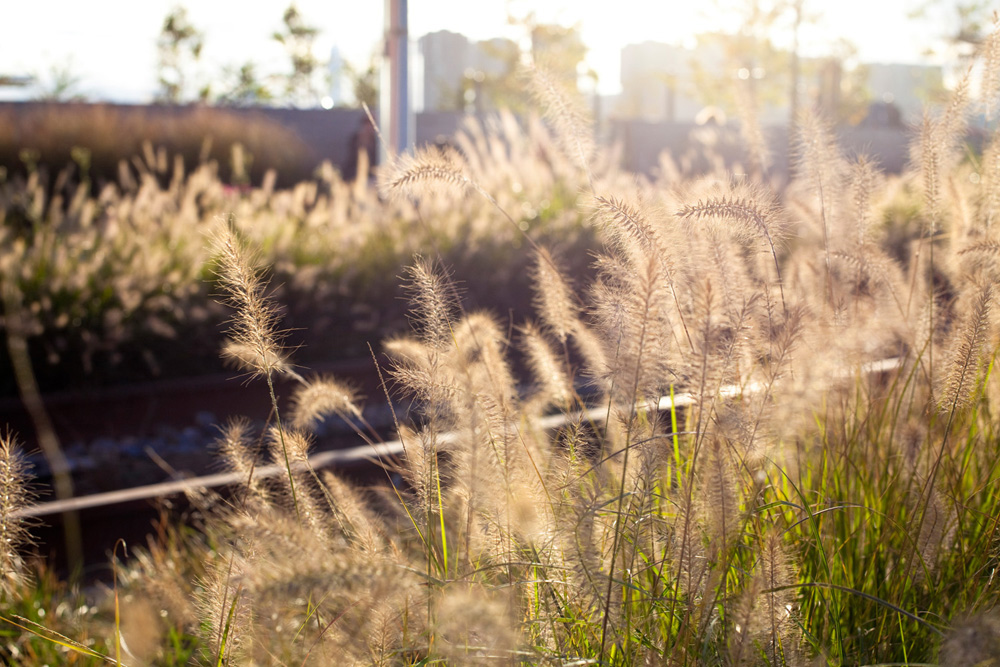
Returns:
(357, 455)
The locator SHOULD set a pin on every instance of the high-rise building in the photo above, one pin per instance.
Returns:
(456, 71)
(909, 87)
(336, 70)
(446, 57)
(658, 81)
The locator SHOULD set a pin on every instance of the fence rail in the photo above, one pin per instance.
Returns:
(360, 454)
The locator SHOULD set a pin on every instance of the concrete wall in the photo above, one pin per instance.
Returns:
(642, 143)
(329, 135)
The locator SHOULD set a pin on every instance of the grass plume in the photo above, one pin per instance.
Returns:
(14, 497)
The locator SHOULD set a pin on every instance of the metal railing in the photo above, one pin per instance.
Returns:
(362, 453)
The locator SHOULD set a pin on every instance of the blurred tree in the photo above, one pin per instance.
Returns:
(364, 83)
(749, 61)
(298, 38)
(725, 59)
(493, 80)
(970, 22)
(848, 96)
(560, 49)
(243, 87)
(747, 56)
(493, 83)
(60, 86)
(179, 46)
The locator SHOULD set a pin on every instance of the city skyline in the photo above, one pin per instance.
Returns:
(120, 65)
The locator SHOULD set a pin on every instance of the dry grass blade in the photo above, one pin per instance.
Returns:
(54, 637)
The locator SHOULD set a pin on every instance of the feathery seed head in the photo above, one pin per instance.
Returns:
(321, 397)
(292, 441)
(864, 177)
(929, 152)
(750, 129)
(590, 347)
(751, 214)
(226, 611)
(777, 572)
(14, 496)
(433, 303)
(968, 351)
(553, 296)
(626, 223)
(989, 198)
(257, 342)
(549, 371)
(937, 530)
(429, 170)
(233, 444)
(243, 356)
(819, 157)
(718, 493)
(950, 127)
(565, 111)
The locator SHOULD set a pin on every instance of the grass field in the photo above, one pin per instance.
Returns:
(793, 460)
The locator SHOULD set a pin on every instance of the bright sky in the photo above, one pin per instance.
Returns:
(111, 44)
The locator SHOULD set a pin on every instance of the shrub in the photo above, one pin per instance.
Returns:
(97, 137)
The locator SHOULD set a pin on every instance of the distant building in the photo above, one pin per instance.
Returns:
(658, 84)
(492, 57)
(446, 57)
(908, 87)
(656, 80)
(16, 80)
(336, 69)
(15, 87)
(455, 68)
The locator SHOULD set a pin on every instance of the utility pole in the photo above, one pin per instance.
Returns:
(395, 113)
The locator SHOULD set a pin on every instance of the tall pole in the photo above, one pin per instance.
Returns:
(394, 101)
